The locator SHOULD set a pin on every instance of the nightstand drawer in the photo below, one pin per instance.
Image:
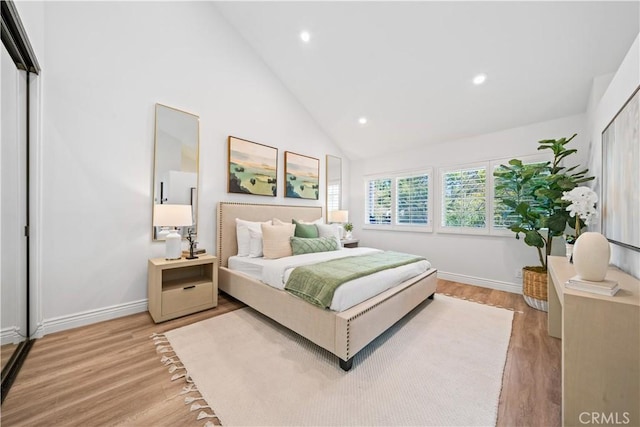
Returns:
(187, 298)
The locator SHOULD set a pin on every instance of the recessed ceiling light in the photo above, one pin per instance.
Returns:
(362, 120)
(305, 36)
(479, 79)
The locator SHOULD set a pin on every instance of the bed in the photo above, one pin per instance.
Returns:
(342, 333)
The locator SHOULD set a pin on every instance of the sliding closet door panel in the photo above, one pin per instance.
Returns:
(13, 206)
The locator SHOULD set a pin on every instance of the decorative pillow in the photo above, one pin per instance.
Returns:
(316, 222)
(276, 240)
(330, 230)
(242, 234)
(255, 243)
(306, 230)
(277, 221)
(300, 245)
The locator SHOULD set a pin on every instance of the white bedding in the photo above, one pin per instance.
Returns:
(275, 273)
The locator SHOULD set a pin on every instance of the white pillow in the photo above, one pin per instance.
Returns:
(255, 244)
(242, 234)
(330, 230)
(277, 221)
(276, 240)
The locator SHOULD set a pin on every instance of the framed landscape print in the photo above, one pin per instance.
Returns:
(301, 176)
(620, 165)
(253, 168)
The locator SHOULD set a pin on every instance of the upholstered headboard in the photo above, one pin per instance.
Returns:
(227, 244)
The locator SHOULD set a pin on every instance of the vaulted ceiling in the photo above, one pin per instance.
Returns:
(408, 66)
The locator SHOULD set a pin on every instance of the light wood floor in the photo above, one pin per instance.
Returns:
(109, 373)
(5, 353)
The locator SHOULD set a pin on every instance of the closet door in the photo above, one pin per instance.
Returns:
(13, 207)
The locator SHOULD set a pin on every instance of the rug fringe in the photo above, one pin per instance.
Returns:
(163, 346)
(188, 389)
(196, 406)
(202, 415)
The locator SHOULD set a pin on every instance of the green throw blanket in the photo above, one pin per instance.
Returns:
(318, 282)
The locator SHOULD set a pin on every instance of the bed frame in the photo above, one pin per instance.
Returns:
(342, 333)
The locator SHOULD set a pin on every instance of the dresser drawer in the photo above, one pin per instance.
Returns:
(187, 298)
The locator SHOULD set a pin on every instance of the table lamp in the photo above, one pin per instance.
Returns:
(340, 217)
(172, 216)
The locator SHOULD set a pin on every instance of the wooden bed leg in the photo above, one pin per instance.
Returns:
(346, 364)
(431, 296)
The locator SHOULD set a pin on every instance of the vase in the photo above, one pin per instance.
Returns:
(568, 250)
(591, 254)
(348, 235)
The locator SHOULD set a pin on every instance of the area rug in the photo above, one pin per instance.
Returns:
(440, 365)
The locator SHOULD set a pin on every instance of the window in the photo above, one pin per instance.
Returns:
(379, 201)
(412, 195)
(503, 216)
(399, 201)
(333, 197)
(464, 199)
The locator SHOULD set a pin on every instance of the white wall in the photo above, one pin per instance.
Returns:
(105, 65)
(602, 109)
(483, 260)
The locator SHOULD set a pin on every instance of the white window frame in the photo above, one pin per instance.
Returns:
(394, 176)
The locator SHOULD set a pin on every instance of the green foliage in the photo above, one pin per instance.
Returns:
(412, 197)
(464, 198)
(380, 205)
(530, 196)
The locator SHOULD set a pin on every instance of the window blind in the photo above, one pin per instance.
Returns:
(412, 196)
(379, 201)
(464, 198)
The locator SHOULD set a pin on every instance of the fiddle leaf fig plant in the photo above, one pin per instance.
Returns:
(531, 195)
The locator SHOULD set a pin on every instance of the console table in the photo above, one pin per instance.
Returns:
(600, 348)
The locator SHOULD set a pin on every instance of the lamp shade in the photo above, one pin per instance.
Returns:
(339, 216)
(172, 216)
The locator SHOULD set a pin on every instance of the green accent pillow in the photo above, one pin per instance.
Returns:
(301, 245)
(308, 231)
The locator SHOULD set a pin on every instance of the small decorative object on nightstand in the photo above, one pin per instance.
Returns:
(181, 287)
(191, 238)
(348, 227)
(350, 243)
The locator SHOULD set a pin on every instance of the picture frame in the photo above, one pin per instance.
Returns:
(252, 168)
(620, 166)
(302, 176)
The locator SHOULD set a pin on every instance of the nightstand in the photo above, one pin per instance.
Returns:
(350, 243)
(179, 287)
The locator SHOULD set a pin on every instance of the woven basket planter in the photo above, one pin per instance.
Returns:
(534, 287)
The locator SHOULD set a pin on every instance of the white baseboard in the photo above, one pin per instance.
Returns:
(63, 323)
(515, 288)
(10, 335)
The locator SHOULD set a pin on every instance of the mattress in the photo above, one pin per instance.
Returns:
(275, 273)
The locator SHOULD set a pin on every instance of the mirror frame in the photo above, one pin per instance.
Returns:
(194, 197)
(329, 158)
